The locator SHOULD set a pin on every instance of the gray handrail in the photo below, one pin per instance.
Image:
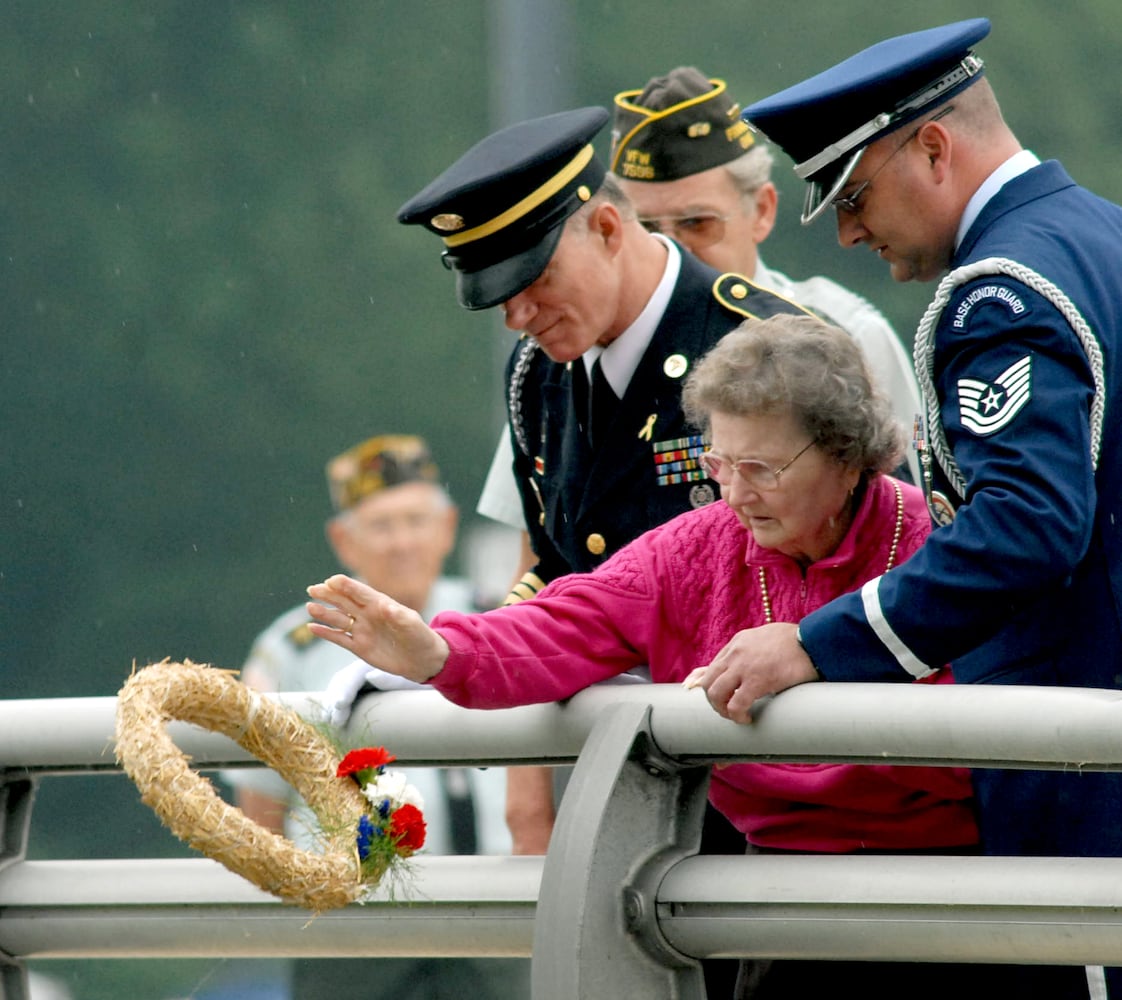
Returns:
(642, 753)
(966, 725)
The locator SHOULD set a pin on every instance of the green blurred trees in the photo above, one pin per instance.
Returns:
(205, 294)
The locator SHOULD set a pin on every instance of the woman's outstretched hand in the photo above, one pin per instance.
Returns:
(375, 628)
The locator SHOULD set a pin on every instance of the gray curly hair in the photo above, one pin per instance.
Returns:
(807, 367)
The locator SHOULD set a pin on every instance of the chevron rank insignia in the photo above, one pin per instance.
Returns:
(986, 407)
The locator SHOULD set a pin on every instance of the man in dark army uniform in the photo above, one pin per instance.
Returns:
(612, 318)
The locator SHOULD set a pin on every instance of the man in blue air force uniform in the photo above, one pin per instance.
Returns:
(1017, 359)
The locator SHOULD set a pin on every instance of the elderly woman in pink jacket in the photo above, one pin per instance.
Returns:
(800, 446)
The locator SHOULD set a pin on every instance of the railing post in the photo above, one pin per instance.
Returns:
(17, 793)
(628, 815)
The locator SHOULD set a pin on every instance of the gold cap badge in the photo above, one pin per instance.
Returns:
(448, 222)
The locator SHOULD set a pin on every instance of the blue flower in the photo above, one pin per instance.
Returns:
(384, 809)
(367, 831)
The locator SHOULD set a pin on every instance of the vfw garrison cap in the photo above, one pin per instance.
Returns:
(377, 464)
(500, 207)
(825, 123)
(677, 125)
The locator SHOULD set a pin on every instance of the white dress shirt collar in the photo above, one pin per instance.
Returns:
(621, 357)
(1019, 163)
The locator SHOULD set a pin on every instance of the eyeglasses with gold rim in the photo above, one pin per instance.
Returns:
(702, 229)
(758, 475)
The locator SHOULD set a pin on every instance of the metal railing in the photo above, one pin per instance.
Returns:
(622, 886)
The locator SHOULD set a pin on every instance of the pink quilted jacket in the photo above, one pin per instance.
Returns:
(671, 600)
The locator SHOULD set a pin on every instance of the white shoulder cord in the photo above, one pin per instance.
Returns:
(924, 354)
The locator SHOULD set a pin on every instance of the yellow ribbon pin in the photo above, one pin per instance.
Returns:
(647, 431)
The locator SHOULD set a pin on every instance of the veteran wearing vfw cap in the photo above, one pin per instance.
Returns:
(693, 169)
(393, 518)
(1018, 357)
(696, 172)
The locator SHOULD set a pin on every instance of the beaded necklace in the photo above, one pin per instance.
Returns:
(891, 552)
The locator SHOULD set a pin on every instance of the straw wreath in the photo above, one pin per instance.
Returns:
(189, 806)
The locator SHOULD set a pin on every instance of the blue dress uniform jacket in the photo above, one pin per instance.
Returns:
(580, 505)
(1018, 358)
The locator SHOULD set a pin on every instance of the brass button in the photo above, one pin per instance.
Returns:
(739, 291)
(675, 366)
(541, 518)
(595, 544)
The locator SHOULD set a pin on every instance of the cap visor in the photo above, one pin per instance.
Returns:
(822, 190)
(504, 279)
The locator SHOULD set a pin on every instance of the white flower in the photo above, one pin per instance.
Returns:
(413, 797)
(392, 786)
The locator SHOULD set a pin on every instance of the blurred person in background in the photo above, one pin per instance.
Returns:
(393, 526)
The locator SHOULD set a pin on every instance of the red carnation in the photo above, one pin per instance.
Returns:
(363, 760)
(407, 827)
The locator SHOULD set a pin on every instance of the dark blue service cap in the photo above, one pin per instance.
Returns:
(500, 207)
(825, 123)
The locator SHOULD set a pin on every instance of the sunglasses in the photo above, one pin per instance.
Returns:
(693, 231)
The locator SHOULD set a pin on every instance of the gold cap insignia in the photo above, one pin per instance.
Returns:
(698, 129)
(448, 222)
(675, 366)
(377, 464)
